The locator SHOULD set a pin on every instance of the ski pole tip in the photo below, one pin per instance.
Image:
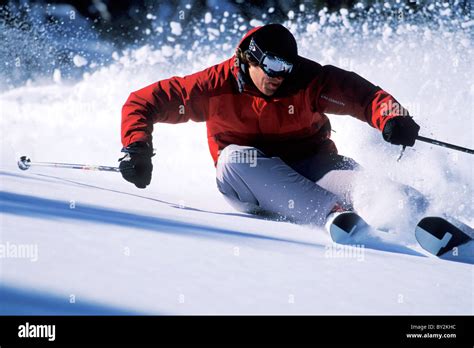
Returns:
(24, 163)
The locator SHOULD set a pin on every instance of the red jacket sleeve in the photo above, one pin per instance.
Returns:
(174, 100)
(341, 92)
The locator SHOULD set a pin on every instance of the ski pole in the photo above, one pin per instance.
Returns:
(440, 143)
(25, 162)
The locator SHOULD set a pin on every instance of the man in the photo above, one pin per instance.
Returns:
(267, 129)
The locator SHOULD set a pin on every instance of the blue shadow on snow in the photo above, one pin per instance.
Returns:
(15, 301)
(25, 205)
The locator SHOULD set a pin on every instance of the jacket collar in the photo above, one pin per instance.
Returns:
(244, 83)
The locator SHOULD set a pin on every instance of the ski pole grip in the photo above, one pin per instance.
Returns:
(24, 163)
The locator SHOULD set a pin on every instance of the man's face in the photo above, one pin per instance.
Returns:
(265, 84)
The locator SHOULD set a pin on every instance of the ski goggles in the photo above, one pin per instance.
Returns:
(271, 64)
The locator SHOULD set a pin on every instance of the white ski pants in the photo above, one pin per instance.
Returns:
(302, 191)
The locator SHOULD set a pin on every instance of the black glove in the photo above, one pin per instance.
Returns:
(401, 130)
(136, 166)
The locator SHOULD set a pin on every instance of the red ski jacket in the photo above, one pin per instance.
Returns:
(291, 124)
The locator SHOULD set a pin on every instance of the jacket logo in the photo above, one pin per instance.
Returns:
(338, 102)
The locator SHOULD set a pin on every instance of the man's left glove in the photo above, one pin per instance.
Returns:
(401, 130)
(136, 166)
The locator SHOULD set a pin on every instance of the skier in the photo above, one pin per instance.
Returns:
(267, 130)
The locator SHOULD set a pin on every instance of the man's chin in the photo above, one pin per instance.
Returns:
(269, 91)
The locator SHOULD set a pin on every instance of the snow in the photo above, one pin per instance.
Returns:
(79, 61)
(57, 75)
(137, 251)
(207, 18)
(178, 247)
(256, 23)
(176, 28)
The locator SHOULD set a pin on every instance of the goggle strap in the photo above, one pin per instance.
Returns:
(253, 47)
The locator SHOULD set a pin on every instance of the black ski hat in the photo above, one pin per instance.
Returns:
(275, 38)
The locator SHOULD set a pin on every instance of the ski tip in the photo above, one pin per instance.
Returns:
(343, 225)
(438, 236)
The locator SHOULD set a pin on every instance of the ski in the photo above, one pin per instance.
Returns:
(343, 226)
(439, 236)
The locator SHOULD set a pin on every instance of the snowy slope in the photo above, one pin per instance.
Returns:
(177, 247)
(139, 252)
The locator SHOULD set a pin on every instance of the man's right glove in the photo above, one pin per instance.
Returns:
(401, 130)
(136, 166)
